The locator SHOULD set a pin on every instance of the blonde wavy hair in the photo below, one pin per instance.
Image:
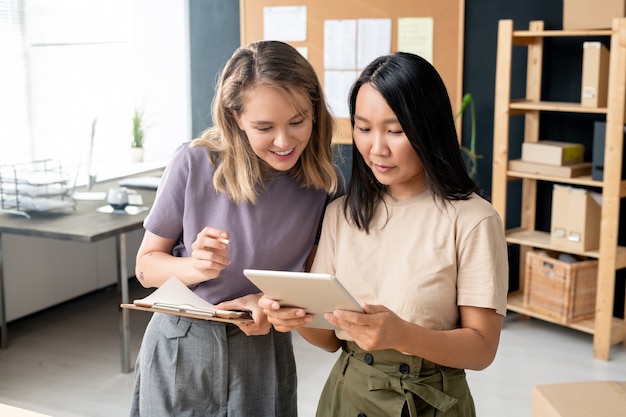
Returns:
(239, 172)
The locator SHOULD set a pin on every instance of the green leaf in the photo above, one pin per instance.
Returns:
(470, 154)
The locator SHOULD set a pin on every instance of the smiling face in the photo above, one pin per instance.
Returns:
(381, 141)
(277, 131)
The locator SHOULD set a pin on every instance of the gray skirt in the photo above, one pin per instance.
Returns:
(389, 383)
(191, 368)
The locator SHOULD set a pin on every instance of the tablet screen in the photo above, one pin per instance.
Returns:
(314, 292)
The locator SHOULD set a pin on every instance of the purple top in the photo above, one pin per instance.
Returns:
(278, 232)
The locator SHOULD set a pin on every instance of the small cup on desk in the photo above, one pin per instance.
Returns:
(118, 198)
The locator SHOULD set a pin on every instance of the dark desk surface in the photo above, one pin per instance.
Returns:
(82, 224)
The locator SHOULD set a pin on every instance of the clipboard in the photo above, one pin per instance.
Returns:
(174, 297)
(314, 292)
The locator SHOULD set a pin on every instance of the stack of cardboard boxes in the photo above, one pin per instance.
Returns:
(552, 158)
(575, 211)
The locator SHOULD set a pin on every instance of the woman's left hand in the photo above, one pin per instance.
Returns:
(249, 303)
(376, 329)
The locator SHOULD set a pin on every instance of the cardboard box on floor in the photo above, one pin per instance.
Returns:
(579, 399)
(591, 14)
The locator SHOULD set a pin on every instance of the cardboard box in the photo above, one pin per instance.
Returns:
(565, 171)
(552, 152)
(575, 222)
(595, 76)
(591, 14)
(563, 291)
(579, 399)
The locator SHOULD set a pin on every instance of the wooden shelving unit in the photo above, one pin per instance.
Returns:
(606, 329)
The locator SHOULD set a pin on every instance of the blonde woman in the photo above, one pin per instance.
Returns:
(249, 193)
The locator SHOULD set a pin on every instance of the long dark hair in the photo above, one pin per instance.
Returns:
(417, 95)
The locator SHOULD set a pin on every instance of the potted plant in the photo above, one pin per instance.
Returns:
(469, 154)
(136, 146)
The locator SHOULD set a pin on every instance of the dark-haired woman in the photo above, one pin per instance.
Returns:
(412, 241)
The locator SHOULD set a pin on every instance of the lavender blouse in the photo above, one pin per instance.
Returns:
(278, 232)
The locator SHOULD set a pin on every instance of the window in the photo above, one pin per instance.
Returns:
(14, 125)
(71, 64)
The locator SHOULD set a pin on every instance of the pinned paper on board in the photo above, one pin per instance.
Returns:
(284, 23)
(415, 35)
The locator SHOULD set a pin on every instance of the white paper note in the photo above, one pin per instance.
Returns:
(284, 23)
(415, 35)
(337, 86)
(374, 40)
(339, 44)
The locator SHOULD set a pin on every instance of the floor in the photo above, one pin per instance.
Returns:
(65, 362)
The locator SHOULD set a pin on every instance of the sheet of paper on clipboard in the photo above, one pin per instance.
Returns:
(174, 297)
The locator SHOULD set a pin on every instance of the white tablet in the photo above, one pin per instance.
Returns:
(316, 293)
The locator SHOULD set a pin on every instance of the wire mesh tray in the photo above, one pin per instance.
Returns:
(34, 186)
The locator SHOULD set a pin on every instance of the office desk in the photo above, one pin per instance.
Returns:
(84, 224)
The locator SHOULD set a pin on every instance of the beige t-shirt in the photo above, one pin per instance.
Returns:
(421, 259)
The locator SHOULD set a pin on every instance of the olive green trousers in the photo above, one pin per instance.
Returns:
(389, 383)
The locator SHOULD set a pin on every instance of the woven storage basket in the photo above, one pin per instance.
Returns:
(565, 292)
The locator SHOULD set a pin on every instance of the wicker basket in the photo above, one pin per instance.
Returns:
(565, 292)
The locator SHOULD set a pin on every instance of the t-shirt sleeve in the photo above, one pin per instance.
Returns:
(483, 271)
(166, 215)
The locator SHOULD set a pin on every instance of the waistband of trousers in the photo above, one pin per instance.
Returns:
(390, 359)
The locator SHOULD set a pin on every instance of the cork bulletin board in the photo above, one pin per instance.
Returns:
(447, 36)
